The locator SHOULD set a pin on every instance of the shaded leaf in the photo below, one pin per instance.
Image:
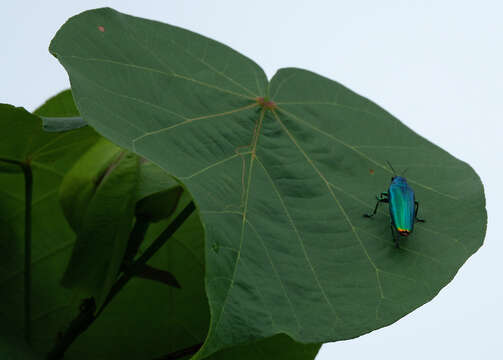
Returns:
(60, 105)
(149, 319)
(49, 156)
(60, 114)
(12, 345)
(8, 167)
(13, 348)
(82, 181)
(98, 197)
(276, 347)
(158, 206)
(153, 179)
(61, 124)
(281, 172)
(103, 234)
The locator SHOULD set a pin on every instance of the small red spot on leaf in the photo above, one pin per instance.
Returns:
(101, 28)
(371, 171)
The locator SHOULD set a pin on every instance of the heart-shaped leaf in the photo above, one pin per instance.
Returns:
(281, 172)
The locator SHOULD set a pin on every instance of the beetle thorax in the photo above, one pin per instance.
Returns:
(399, 180)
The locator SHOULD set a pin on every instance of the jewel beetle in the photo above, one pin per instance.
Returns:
(403, 207)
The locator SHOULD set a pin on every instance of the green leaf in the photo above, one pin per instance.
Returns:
(276, 347)
(61, 124)
(281, 173)
(8, 167)
(82, 181)
(98, 196)
(60, 114)
(103, 234)
(12, 346)
(159, 205)
(49, 156)
(158, 193)
(149, 319)
(60, 105)
(153, 179)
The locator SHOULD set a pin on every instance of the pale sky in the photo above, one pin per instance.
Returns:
(436, 65)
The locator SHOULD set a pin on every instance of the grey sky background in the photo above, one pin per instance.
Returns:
(436, 65)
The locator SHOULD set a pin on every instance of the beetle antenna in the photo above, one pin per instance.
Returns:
(405, 171)
(391, 167)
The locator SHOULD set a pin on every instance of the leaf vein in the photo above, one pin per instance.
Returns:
(262, 242)
(339, 205)
(301, 240)
(188, 121)
(148, 69)
(362, 154)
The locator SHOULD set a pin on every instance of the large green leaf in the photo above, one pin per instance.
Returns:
(281, 172)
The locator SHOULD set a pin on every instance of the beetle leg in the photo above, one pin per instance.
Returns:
(395, 236)
(415, 212)
(379, 200)
(382, 196)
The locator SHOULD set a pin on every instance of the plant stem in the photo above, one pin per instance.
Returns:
(151, 250)
(28, 188)
(77, 326)
(181, 353)
(28, 194)
(86, 318)
(136, 237)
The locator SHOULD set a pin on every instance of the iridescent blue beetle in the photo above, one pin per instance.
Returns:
(403, 207)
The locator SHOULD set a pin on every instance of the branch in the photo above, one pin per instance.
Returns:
(28, 192)
(86, 317)
(137, 266)
(77, 327)
(136, 237)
